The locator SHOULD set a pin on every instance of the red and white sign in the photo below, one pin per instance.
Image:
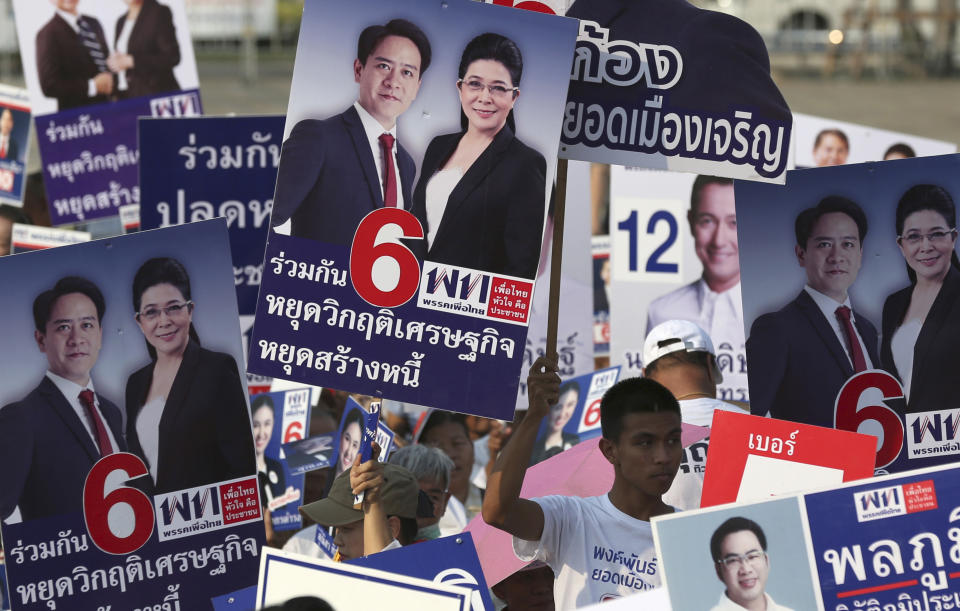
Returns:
(756, 458)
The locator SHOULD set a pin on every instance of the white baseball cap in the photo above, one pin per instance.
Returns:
(674, 336)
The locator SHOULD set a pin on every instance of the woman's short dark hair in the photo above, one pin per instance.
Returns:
(900, 148)
(371, 36)
(831, 132)
(568, 386)
(498, 48)
(262, 400)
(64, 286)
(353, 415)
(162, 270)
(803, 226)
(927, 197)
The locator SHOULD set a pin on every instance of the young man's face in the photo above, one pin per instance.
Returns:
(833, 255)
(747, 568)
(349, 540)
(714, 227)
(389, 80)
(72, 337)
(648, 453)
(528, 589)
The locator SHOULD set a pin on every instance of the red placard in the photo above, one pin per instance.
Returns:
(752, 458)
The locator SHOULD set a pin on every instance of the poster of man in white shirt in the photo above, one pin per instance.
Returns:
(739, 550)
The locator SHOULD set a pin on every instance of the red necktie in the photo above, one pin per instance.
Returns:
(856, 352)
(3, 150)
(389, 176)
(103, 440)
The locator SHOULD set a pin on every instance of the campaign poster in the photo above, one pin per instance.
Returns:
(130, 218)
(671, 86)
(576, 415)
(397, 300)
(851, 292)
(122, 486)
(14, 142)
(574, 345)
(27, 238)
(825, 142)
(284, 576)
(736, 554)
(317, 452)
(92, 68)
(674, 255)
(600, 255)
(452, 560)
(754, 458)
(279, 418)
(199, 168)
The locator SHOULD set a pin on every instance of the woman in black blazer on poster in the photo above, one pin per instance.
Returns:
(480, 197)
(921, 323)
(186, 410)
(146, 50)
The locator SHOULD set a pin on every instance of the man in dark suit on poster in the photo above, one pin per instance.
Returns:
(51, 438)
(9, 151)
(800, 356)
(72, 58)
(333, 172)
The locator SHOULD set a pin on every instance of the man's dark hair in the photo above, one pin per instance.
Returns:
(302, 603)
(900, 148)
(698, 358)
(803, 226)
(14, 214)
(439, 417)
(831, 132)
(64, 286)
(700, 183)
(372, 35)
(633, 395)
(733, 525)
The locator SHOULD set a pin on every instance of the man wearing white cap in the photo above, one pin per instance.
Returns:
(680, 355)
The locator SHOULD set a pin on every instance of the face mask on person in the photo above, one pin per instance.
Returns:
(429, 533)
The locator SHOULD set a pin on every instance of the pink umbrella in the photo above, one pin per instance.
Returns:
(580, 471)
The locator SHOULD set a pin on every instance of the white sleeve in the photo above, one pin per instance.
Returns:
(560, 514)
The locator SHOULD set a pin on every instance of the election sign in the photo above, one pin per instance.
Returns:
(888, 542)
(375, 290)
(285, 576)
(823, 142)
(575, 416)
(27, 238)
(653, 600)
(279, 418)
(118, 486)
(92, 69)
(14, 143)
(674, 87)
(753, 458)
(852, 280)
(600, 253)
(449, 560)
(674, 255)
(199, 168)
(312, 453)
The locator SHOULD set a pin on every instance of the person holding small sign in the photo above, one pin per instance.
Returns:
(480, 197)
(599, 548)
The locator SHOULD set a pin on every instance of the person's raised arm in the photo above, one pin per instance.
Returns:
(502, 505)
(367, 477)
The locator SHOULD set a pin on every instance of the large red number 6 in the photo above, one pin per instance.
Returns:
(97, 506)
(528, 5)
(365, 251)
(591, 415)
(847, 417)
(294, 432)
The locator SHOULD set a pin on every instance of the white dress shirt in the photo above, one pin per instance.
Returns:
(725, 604)
(71, 19)
(721, 316)
(123, 41)
(5, 144)
(439, 188)
(71, 391)
(828, 306)
(374, 130)
(902, 344)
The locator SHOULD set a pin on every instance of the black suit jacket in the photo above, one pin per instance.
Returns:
(327, 180)
(13, 150)
(64, 64)
(46, 452)
(493, 220)
(725, 62)
(936, 355)
(205, 433)
(797, 365)
(153, 45)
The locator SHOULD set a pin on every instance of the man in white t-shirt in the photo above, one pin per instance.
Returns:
(739, 551)
(713, 301)
(680, 355)
(600, 548)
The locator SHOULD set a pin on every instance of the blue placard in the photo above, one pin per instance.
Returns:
(204, 167)
(241, 600)
(278, 416)
(315, 452)
(90, 154)
(891, 543)
(451, 560)
(15, 117)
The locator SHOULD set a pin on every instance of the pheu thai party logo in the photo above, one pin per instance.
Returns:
(204, 508)
(471, 292)
(933, 433)
(892, 501)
